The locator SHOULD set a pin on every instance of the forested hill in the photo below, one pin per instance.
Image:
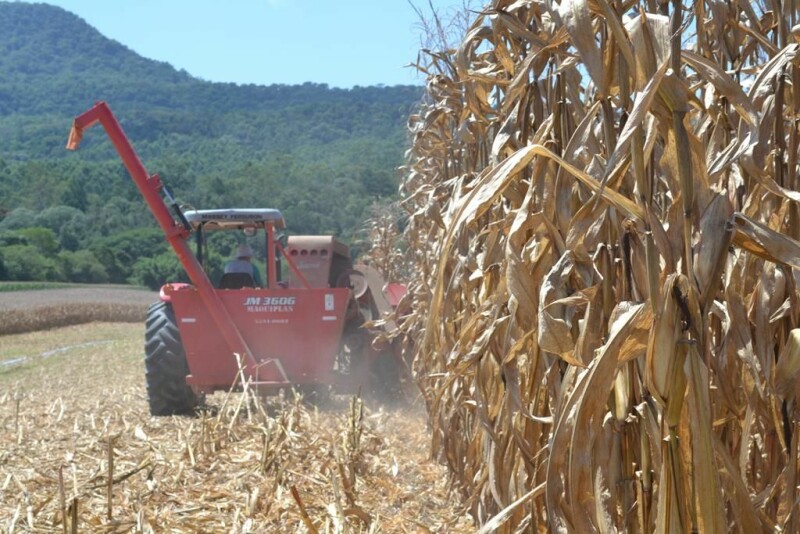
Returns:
(322, 155)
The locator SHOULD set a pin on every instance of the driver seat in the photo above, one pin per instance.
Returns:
(236, 281)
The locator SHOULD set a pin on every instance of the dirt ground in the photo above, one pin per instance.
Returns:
(34, 310)
(244, 466)
(10, 300)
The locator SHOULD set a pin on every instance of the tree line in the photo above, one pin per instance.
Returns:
(323, 156)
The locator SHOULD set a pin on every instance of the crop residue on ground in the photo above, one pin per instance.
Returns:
(77, 444)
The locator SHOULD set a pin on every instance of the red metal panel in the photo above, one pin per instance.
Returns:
(394, 293)
(312, 256)
(291, 331)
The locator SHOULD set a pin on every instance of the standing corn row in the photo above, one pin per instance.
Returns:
(603, 201)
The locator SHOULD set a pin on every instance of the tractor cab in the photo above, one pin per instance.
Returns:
(250, 222)
(299, 261)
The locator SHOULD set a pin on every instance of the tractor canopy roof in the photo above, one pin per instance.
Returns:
(232, 219)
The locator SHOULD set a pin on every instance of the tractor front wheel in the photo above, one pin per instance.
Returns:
(165, 364)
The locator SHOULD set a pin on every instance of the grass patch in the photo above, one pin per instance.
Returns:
(31, 286)
(65, 350)
(36, 286)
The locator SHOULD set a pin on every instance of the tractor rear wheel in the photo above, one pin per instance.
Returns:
(165, 364)
(385, 375)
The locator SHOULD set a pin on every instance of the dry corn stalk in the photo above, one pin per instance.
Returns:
(603, 201)
(382, 240)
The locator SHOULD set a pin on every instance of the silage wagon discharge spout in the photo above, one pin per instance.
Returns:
(152, 188)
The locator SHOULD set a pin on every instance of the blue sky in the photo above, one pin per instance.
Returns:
(339, 42)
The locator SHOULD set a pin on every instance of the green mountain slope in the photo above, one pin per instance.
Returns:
(322, 155)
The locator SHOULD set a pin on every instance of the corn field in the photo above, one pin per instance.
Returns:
(79, 452)
(604, 223)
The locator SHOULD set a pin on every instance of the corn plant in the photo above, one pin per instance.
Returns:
(604, 222)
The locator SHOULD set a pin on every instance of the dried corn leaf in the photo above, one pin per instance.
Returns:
(637, 167)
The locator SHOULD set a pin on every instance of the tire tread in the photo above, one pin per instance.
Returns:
(165, 364)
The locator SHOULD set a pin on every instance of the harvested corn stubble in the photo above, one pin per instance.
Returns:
(603, 215)
(79, 452)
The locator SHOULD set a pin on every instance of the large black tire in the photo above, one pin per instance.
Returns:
(165, 364)
(385, 378)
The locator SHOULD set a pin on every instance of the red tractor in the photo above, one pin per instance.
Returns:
(303, 329)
